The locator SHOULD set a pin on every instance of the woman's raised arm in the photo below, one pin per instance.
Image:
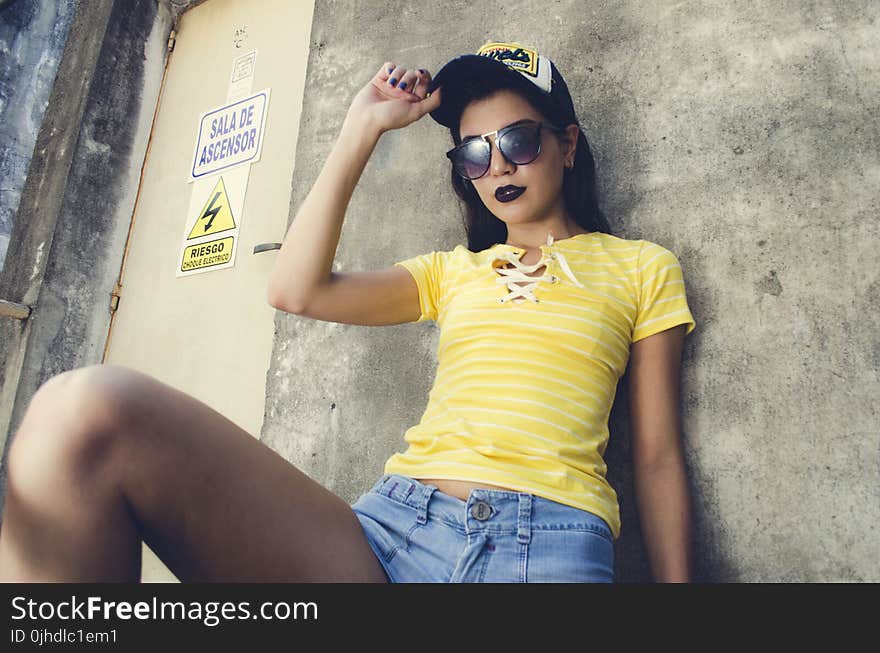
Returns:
(302, 281)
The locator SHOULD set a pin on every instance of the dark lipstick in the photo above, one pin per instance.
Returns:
(508, 193)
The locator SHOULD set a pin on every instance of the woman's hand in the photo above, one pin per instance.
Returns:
(394, 98)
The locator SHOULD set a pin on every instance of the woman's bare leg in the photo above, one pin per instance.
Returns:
(107, 457)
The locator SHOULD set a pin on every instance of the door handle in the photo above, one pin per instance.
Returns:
(266, 247)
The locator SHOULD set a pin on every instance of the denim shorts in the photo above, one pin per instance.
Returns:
(422, 535)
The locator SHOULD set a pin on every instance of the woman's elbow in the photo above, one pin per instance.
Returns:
(278, 301)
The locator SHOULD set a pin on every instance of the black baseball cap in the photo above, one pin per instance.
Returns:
(503, 65)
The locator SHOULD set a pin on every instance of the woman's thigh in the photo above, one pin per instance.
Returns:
(211, 500)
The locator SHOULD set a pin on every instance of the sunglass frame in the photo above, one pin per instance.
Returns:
(499, 143)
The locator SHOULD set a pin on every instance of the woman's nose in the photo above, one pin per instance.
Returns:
(498, 164)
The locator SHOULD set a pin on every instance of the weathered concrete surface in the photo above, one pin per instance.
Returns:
(744, 137)
(69, 235)
(32, 37)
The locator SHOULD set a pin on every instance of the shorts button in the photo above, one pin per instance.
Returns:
(481, 510)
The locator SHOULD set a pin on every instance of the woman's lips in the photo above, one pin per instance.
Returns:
(508, 193)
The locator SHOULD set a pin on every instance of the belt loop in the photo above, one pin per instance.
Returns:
(524, 521)
(377, 486)
(424, 499)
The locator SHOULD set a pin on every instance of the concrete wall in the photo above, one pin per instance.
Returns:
(69, 236)
(32, 37)
(743, 136)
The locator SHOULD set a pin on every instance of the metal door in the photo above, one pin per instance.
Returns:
(187, 314)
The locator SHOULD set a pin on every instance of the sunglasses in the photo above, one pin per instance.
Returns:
(519, 143)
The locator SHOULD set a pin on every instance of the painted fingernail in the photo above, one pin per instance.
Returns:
(421, 70)
(390, 70)
(402, 85)
(392, 81)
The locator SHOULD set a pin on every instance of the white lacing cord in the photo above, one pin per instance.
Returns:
(510, 277)
(567, 270)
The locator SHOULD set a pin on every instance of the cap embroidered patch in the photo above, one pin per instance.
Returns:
(521, 59)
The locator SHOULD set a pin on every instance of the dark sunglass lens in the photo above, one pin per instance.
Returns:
(521, 144)
(472, 159)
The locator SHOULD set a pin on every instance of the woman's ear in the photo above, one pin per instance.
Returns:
(569, 142)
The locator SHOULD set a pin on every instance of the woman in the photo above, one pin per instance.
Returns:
(503, 480)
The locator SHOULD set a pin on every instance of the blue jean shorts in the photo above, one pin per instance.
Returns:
(422, 535)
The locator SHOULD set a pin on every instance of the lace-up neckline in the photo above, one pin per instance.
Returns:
(519, 272)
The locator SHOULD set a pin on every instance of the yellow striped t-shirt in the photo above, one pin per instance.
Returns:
(523, 389)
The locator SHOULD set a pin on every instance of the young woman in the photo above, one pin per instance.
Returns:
(503, 480)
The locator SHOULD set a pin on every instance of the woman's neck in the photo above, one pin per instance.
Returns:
(532, 236)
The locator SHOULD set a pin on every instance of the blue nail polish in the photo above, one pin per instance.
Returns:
(390, 70)
(402, 85)
(392, 81)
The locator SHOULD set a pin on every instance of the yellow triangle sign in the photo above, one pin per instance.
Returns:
(216, 215)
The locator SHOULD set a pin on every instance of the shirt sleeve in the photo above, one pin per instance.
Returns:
(428, 270)
(662, 301)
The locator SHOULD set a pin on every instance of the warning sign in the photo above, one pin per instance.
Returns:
(207, 255)
(216, 215)
(230, 139)
(211, 232)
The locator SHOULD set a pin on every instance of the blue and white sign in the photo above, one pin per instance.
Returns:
(230, 135)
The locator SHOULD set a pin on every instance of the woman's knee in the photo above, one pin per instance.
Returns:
(71, 421)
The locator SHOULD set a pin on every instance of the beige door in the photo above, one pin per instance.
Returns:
(210, 333)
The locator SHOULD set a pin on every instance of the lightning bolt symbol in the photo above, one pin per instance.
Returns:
(211, 211)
